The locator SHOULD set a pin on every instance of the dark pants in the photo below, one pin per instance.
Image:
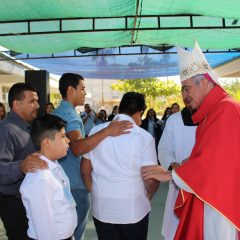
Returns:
(63, 239)
(13, 216)
(133, 231)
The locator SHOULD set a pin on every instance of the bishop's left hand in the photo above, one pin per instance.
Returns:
(156, 172)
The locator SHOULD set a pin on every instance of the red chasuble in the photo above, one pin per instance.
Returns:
(212, 171)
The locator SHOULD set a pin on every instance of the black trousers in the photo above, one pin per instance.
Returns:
(62, 239)
(13, 216)
(133, 231)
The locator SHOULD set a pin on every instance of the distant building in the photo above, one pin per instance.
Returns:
(14, 71)
(100, 95)
(99, 92)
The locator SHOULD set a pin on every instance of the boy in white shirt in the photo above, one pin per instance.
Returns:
(50, 207)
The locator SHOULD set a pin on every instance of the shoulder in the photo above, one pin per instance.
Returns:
(227, 106)
(67, 114)
(228, 102)
(99, 128)
(176, 117)
(33, 181)
(144, 135)
(8, 128)
(39, 175)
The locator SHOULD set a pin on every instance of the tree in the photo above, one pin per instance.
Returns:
(157, 92)
(232, 87)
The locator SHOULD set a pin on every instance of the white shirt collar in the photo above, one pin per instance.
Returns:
(52, 165)
(124, 117)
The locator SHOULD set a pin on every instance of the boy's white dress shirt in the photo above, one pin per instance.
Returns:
(50, 207)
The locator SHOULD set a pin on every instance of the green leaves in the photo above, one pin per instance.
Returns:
(159, 93)
(149, 87)
(232, 86)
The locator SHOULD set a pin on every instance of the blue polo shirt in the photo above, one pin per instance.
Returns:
(71, 163)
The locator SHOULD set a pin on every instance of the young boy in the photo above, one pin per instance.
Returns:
(51, 210)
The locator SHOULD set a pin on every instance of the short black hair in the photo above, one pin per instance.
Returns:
(131, 103)
(115, 107)
(175, 104)
(45, 127)
(49, 103)
(17, 90)
(67, 80)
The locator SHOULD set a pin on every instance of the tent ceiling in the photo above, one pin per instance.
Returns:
(52, 26)
(125, 66)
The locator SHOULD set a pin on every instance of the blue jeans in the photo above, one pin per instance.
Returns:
(82, 199)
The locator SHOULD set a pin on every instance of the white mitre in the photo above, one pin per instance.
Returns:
(194, 63)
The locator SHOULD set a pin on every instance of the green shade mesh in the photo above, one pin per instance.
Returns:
(214, 11)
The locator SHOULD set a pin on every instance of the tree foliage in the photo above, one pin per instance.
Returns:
(161, 94)
(157, 92)
(232, 87)
(149, 87)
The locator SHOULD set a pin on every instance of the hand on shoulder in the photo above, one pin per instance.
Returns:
(116, 127)
(32, 162)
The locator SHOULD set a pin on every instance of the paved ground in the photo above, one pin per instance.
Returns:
(154, 231)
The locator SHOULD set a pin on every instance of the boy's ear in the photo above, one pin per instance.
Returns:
(45, 142)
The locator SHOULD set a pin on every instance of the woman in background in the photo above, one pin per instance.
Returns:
(101, 117)
(2, 111)
(49, 107)
(150, 124)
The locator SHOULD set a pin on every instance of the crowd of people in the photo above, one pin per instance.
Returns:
(52, 166)
(151, 123)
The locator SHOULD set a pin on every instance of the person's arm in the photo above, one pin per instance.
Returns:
(175, 165)
(149, 157)
(86, 172)
(38, 197)
(32, 162)
(151, 186)
(156, 172)
(11, 170)
(80, 145)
